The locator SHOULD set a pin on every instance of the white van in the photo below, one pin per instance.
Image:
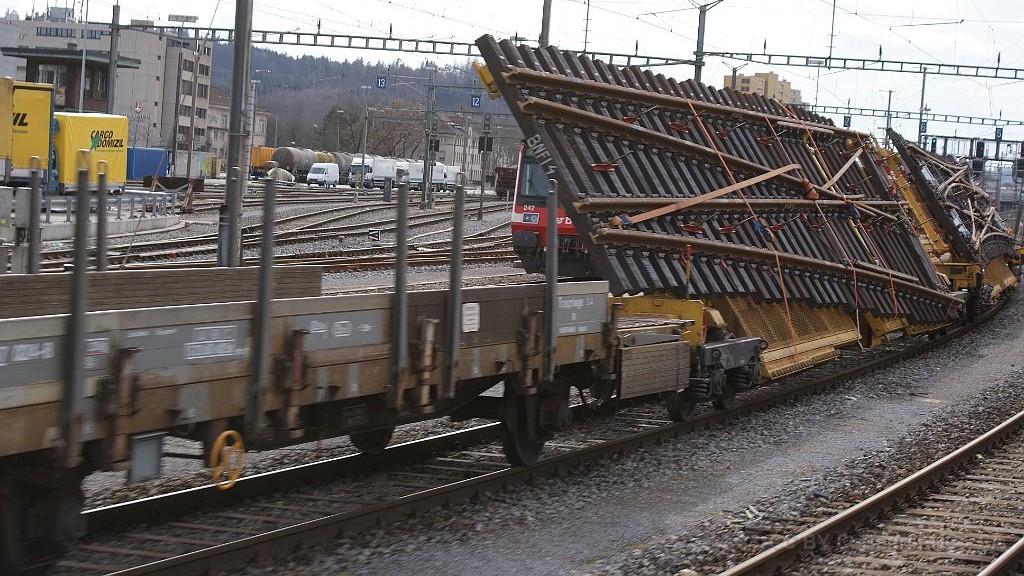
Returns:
(323, 173)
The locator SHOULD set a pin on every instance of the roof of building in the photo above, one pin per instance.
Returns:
(100, 57)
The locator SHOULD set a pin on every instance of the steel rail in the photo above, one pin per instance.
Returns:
(787, 552)
(286, 540)
(611, 236)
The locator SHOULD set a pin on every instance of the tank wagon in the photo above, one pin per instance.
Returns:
(298, 161)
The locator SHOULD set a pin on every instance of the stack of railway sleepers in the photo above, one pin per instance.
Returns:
(785, 222)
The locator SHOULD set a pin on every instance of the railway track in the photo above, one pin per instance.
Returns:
(404, 481)
(960, 515)
(207, 243)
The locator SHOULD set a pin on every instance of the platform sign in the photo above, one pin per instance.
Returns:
(474, 100)
(923, 127)
(847, 120)
(382, 82)
(341, 329)
(999, 134)
(171, 346)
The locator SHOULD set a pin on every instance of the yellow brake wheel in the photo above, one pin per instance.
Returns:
(226, 459)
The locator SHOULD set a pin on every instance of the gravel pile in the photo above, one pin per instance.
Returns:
(684, 505)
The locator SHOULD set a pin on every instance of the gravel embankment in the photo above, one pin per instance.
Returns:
(682, 505)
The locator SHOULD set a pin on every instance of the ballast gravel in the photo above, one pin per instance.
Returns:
(680, 508)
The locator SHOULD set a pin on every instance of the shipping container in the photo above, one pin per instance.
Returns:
(103, 135)
(144, 162)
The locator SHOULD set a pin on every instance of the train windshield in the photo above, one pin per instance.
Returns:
(533, 182)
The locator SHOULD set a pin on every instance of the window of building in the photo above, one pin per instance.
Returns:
(200, 112)
(56, 74)
(204, 70)
(744, 80)
(186, 86)
(188, 65)
(96, 84)
(200, 131)
(94, 34)
(184, 110)
(55, 31)
(204, 91)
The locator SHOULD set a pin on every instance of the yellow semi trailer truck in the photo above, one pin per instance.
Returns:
(31, 107)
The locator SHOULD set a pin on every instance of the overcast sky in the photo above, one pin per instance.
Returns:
(972, 32)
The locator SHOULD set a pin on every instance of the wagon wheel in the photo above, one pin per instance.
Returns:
(372, 441)
(680, 406)
(227, 459)
(515, 431)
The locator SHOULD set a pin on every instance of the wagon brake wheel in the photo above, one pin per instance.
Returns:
(226, 459)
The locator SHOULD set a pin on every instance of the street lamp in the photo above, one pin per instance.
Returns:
(337, 143)
(736, 69)
(366, 120)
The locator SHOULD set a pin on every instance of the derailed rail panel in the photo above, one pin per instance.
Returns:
(677, 188)
(961, 220)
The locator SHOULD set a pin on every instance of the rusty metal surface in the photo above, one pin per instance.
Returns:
(625, 140)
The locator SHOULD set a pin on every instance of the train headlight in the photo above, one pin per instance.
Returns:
(531, 218)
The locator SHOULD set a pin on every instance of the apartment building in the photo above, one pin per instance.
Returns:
(162, 83)
(765, 83)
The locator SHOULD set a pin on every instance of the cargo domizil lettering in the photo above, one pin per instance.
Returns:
(21, 119)
(105, 139)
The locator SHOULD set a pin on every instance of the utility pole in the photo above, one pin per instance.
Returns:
(888, 118)
(81, 79)
(545, 24)
(698, 64)
(112, 63)
(192, 107)
(337, 143)
(586, 28)
(485, 157)
(428, 156)
(250, 130)
(239, 83)
(361, 181)
(920, 118)
(736, 69)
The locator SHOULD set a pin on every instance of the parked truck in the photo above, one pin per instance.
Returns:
(360, 172)
(30, 105)
(103, 135)
(451, 177)
(416, 175)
